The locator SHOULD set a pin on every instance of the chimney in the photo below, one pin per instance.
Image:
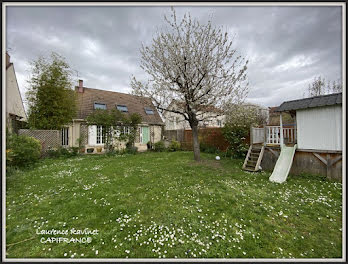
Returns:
(80, 86)
(7, 59)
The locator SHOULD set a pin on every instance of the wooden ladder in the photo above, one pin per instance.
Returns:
(253, 158)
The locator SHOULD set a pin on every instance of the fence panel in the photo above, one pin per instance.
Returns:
(273, 135)
(209, 136)
(177, 135)
(258, 135)
(47, 138)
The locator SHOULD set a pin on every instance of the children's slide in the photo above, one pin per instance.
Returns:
(283, 165)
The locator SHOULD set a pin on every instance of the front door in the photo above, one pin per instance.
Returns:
(145, 135)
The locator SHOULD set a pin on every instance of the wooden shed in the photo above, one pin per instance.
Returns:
(318, 133)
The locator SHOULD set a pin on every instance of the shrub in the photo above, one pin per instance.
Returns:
(208, 148)
(53, 153)
(174, 145)
(159, 146)
(114, 152)
(62, 152)
(131, 150)
(239, 119)
(235, 135)
(74, 151)
(22, 150)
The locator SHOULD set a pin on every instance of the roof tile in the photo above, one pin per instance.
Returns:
(317, 101)
(135, 104)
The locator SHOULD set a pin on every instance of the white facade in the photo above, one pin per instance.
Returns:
(14, 103)
(154, 134)
(320, 128)
(174, 121)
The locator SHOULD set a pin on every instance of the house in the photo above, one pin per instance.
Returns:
(173, 121)
(317, 134)
(15, 112)
(214, 117)
(274, 117)
(89, 99)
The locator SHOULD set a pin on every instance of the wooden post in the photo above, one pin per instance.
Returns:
(264, 135)
(281, 130)
(328, 166)
(295, 130)
(251, 136)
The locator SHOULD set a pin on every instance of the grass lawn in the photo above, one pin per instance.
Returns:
(164, 205)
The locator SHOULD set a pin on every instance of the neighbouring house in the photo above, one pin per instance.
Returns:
(274, 118)
(89, 99)
(317, 133)
(15, 112)
(213, 116)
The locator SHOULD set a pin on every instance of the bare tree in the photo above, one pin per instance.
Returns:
(194, 64)
(320, 87)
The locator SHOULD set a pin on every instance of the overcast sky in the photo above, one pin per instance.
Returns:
(286, 46)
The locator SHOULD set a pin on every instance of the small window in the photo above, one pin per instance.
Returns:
(99, 106)
(219, 123)
(149, 111)
(122, 108)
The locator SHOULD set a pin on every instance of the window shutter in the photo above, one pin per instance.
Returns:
(92, 135)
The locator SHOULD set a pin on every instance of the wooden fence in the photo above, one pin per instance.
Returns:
(271, 135)
(211, 137)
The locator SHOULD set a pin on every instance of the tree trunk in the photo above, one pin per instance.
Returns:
(196, 150)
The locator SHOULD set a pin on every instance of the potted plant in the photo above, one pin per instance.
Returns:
(99, 149)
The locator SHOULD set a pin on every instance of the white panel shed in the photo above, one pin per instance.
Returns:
(320, 128)
(318, 121)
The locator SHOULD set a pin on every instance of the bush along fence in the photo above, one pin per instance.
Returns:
(49, 139)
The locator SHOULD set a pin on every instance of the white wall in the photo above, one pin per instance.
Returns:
(320, 128)
(174, 121)
(92, 137)
(14, 104)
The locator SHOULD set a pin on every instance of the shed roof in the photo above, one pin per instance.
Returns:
(317, 101)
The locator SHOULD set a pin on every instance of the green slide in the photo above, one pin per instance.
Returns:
(283, 165)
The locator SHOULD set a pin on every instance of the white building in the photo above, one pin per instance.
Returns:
(318, 133)
(318, 121)
(14, 105)
(212, 116)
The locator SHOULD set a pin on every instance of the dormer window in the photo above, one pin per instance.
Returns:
(149, 111)
(122, 108)
(99, 106)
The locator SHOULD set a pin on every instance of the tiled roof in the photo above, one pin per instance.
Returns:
(317, 101)
(135, 104)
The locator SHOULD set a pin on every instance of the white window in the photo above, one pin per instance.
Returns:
(65, 136)
(149, 111)
(122, 108)
(99, 106)
(219, 123)
(100, 138)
